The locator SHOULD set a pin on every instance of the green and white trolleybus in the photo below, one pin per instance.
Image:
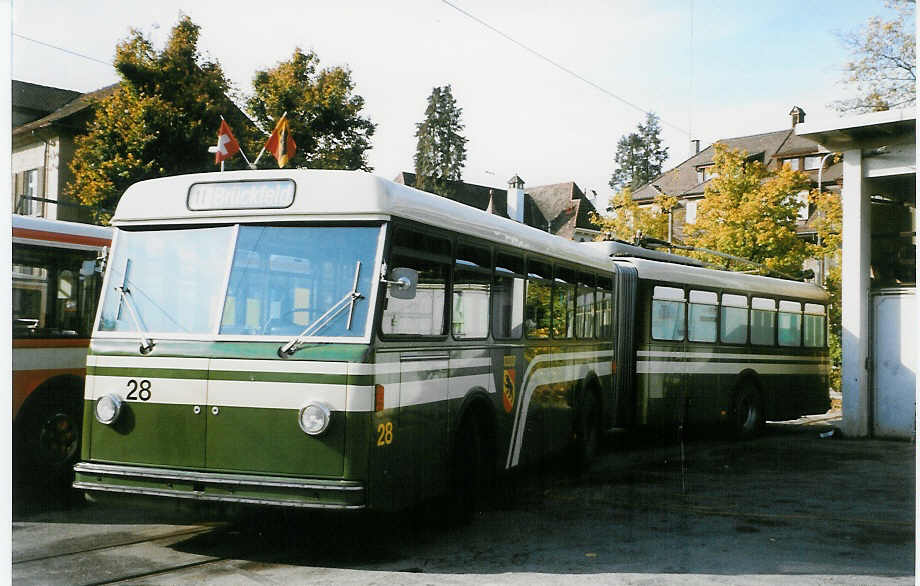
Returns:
(330, 339)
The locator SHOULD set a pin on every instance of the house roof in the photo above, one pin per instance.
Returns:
(74, 106)
(32, 101)
(565, 206)
(561, 207)
(770, 147)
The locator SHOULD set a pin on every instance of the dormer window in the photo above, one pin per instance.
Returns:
(705, 173)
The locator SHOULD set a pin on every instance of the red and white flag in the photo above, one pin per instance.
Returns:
(281, 144)
(227, 145)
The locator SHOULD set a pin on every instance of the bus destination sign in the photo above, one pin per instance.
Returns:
(241, 195)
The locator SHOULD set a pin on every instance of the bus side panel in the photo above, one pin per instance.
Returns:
(537, 394)
(409, 438)
(471, 371)
(384, 483)
(423, 423)
(660, 371)
(508, 365)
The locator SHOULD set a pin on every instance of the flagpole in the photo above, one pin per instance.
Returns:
(241, 151)
(263, 146)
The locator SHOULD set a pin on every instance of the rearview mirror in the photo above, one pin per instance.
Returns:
(402, 283)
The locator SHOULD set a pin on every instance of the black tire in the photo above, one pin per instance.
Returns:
(747, 413)
(587, 432)
(48, 435)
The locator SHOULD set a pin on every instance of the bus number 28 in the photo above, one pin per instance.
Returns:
(385, 433)
(138, 390)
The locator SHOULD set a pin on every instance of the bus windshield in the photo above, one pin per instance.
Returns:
(282, 279)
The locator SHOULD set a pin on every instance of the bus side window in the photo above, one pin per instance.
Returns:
(814, 325)
(668, 310)
(564, 303)
(790, 323)
(508, 297)
(734, 316)
(538, 305)
(763, 321)
(604, 308)
(472, 275)
(702, 318)
(424, 315)
(584, 306)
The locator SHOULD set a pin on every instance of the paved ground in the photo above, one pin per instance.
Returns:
(790, 507)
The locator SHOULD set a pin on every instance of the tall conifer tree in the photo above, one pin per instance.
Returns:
(440, 152)
(640, 155)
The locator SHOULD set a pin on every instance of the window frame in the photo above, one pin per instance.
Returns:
(747, 308)
(651, 305)
(477, 269)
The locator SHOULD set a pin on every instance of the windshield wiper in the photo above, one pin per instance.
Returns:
(147, 342)
(348, 300)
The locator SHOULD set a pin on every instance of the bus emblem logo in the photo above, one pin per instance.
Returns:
(508, 389)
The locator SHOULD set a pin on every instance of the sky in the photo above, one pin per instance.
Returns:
(546, 87)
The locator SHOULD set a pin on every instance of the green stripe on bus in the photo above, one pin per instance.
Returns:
(232, 375)
(147, 372)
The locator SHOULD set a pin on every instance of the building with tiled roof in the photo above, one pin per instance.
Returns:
(562, 209)
(45, 122)
(687, 181)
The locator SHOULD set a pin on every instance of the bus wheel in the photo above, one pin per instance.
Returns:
(587, 432)
(748, 413)
(49, 439)
(468, 472)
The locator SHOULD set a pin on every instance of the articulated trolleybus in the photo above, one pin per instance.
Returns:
(55, 290)
(330, 339)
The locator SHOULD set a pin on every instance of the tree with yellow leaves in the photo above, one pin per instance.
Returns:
(750, 211)
(628, 218)
(160, 121)
(325, 114)
(828, 223)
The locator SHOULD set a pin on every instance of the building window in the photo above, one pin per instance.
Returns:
(690, 215)
(30, 189)
(705, 173)
(813, 162)
(794, 163)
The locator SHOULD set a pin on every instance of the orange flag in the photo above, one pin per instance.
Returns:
(280, 144)
(227, 145)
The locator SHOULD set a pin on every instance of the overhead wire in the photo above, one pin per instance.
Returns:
(36, 41)
(560, 66)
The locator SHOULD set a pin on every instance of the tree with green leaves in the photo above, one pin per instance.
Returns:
(440, 151)
(161, 120)
(325, 115)
(751, 212)
(883, 69)
(640, 155)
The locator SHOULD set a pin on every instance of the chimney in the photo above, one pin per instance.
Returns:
(798, 115)
(516, 199)
(694, 146)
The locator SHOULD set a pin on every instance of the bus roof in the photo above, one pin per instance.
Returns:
(30, 229)
(716, 279)
(330, 196)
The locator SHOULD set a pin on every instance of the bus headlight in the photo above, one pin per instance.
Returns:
(108, 409)
(314, 418)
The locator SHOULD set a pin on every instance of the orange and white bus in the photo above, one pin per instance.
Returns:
(56, 280)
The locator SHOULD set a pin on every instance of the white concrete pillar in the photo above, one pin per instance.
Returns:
(855, 282)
